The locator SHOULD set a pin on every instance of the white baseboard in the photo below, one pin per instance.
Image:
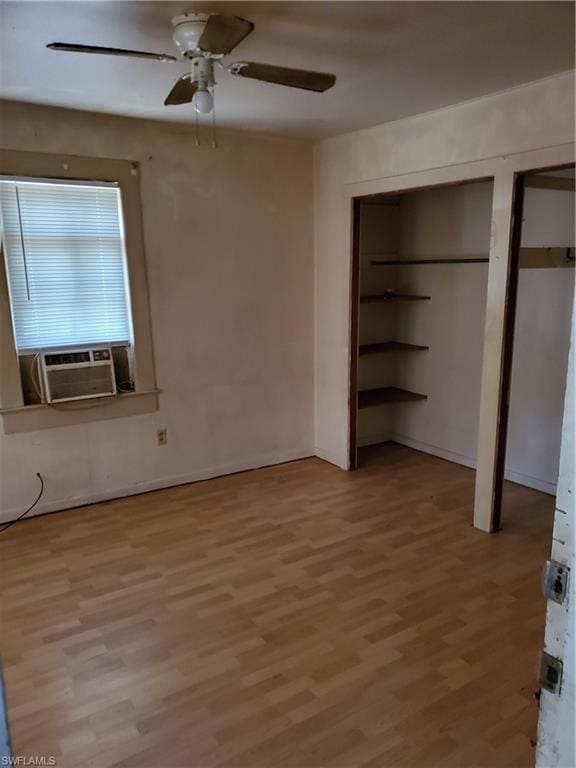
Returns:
(255, 462)
(434, 450)
(531, 482)
(515, 477)
(442, 453)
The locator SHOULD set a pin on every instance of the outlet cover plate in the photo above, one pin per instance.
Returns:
(162, 435)
(550, 673)
(555, 581)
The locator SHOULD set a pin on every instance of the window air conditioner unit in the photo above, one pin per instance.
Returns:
(77, 375)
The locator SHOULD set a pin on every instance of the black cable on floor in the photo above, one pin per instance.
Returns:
(30, 508)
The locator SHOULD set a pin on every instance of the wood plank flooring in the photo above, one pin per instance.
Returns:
(292, 617)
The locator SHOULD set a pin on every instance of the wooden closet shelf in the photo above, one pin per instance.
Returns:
(389, 346)
(370, 397)
(413, 262)
(385, 297)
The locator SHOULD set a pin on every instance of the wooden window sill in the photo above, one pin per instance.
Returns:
(29, 418)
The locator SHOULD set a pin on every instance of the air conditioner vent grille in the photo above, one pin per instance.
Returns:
(71, 383)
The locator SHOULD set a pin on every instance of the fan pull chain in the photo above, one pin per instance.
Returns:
(196, 124)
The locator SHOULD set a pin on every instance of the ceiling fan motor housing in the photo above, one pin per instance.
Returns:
(188, 29)
(202, 72)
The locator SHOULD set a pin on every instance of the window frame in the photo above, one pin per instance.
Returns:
(18, 417)
(20, 262)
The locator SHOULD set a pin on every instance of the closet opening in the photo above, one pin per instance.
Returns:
(537, 338)
(419, 285)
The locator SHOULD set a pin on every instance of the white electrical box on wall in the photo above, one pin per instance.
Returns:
(77, 374)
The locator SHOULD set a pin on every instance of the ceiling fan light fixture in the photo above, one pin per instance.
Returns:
(203, 101)
(203, 39)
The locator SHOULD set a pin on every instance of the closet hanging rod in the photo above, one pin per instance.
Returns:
(413, 262)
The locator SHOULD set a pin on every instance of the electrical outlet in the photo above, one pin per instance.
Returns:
(162, 435)
(555, 581)
(550, 673)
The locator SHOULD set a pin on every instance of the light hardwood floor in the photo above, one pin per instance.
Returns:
(292, 617)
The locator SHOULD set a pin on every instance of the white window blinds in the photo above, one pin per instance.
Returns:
(64, 251)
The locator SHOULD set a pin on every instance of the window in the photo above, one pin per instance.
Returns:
(73, 277)
(65, 261)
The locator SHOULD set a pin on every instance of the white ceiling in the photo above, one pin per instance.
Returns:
(391, 59)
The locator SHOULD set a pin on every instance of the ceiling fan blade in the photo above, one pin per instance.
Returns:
(293, 78)
(223, 33)
(182, 93)
(79, 48)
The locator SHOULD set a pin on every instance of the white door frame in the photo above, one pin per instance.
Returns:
(503, 170)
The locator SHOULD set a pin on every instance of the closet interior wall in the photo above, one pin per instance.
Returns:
(454, 222)
(442, 223)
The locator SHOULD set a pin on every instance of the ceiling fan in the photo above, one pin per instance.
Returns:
(203, 39)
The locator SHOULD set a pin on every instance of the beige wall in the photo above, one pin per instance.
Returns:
(438, 144)
(228, 239)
